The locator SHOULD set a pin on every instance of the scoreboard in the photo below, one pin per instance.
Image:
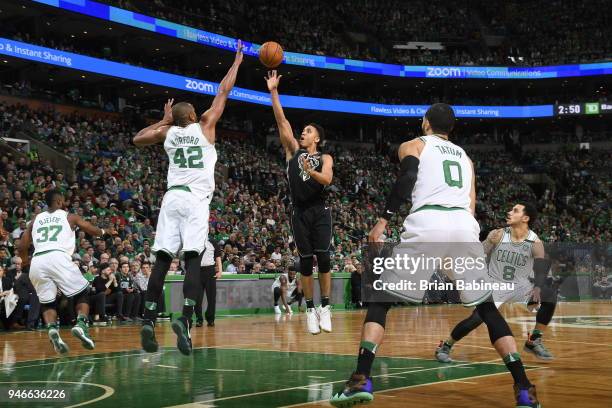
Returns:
(588, 108)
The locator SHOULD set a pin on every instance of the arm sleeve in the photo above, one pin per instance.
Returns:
(540, 271)
(402, 189)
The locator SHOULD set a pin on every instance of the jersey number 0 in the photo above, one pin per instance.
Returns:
(452, 173)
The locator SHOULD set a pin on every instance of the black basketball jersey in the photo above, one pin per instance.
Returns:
(305, 191)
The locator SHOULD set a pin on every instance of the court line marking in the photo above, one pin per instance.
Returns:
(304, 371)
(75, 359)
(223, 369)
(315, 376)
(108, 391)
(464, 382)
(499, 360)
(401, 368)
(341, 381)
(410, 386)
(166, 366)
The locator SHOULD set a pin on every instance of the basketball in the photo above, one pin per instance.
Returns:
(271, 54)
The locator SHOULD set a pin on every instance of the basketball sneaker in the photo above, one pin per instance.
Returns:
(526, 398)
(81, 332)
(443, 353)
(277, 310)
(537, 348)
(357, 390)
(147, 336)
(312, 321)
(325, 318)
(56, 340)
(181, 328)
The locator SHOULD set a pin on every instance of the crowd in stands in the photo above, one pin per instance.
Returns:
(116, 184)
(534, 33)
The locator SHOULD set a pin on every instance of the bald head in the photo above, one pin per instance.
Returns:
(183, 114)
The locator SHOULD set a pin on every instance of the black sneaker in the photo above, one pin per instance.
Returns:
(181, 327)
(147, 337)
(210, 324)
(199, 323)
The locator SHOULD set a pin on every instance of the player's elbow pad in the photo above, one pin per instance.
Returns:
(402, 189)
(540, 271)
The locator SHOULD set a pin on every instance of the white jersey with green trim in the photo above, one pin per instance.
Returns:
(444, 177)
(512, 261)
(291, 285)
(51, 231)
(192, 159)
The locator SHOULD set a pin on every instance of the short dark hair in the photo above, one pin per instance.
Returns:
(530, 210)
(441, 118)
(320, 131)
(51, 195)
(124, 263)
(180, 113)
(103, 266)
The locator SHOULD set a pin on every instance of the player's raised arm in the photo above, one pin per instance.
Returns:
(156, 133)
(492, 240)
(284, 127)
(209, 119)
(24, 246)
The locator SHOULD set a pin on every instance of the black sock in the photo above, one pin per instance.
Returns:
(309, 303)
(516, 368)
(324, 301)
(188, 311)
(150, 312)
(365, 360)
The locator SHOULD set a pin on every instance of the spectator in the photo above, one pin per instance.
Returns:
(131, 296)
(107, 291)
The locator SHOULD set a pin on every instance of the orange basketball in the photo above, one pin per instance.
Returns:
(271, 54)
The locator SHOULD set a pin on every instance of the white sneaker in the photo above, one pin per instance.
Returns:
(325, 318)
(277, 309)
(312, 321)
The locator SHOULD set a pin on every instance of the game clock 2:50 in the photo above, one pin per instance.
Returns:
(569, 109)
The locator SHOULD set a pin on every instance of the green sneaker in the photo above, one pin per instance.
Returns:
(81, 332)
(147, 337)
(183, 339)
(536, 347)
(56, 340)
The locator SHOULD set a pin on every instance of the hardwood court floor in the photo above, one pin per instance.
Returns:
(267, 362)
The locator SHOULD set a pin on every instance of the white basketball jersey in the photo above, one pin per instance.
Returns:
(444, 177)
(208, 259)
(192, 159)
(291, 286)
(512, 261)
(51, 231)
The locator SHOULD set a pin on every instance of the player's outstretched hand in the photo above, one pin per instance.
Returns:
(272, 80)
(239, 53)
(536, 295)
(168, 112)
(376, 233)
